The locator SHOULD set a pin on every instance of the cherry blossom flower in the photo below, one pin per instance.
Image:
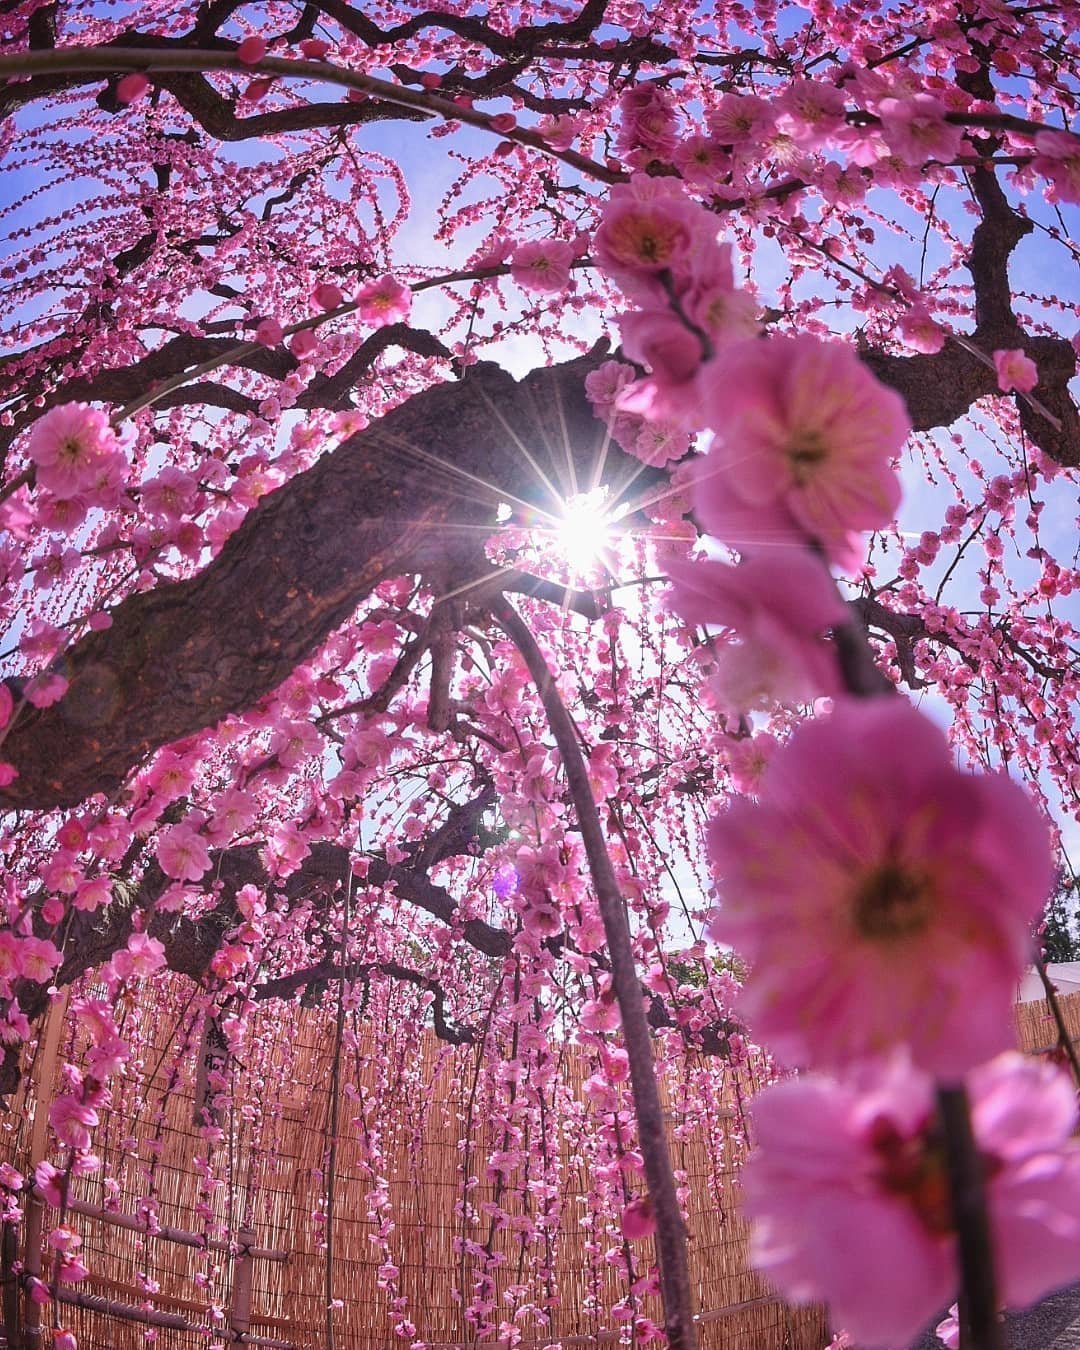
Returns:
(142, 956)
(72, 1121)
(915, 129)
(741, 119)
(1015, 370)
(804, 445)
(542, 264)
(649, 227)
(182, 853)
(384, 301)
(779, 604)
(1057, 158)
(69, 446)
(811, 111)
(880, 894)
(649, 122)
(849, 1194)
(920, 331)
(132, 87)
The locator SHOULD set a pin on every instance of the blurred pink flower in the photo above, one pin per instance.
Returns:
(638, 1220)
(880, 894)
(804, 444)
(849, 1193)
(1058, 159)
(779, 605)
(72, 1121)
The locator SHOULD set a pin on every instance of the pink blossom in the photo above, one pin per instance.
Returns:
(142, 956)
(805, 438)
(69, 446)
(171, 495)
(542, 264)
(182, 853)
(702, 160)
(880, 894)
(660, 340)
(649, 122)
(327, 295)
(1057, 158)
(915, 129)
(64, 1340)
(45, 689)
(778, 604)
(132, 87)
(649, 227)
(741, 119)
(252, 50)
(384, 301)
(638, 1219)
(268, 333)
(37, 958)
(811, 112)
(72, 1121)
(849, 1193)
(1015, 370)
(920, 331)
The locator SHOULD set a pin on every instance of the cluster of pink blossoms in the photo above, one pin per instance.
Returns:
(883, 897)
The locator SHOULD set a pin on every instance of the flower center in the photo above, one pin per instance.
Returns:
(805, 455)
(892, 903)
(913, 1167)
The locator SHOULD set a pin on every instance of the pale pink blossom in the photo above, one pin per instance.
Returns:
(915, 129)
(779, 605)
(72, 1121)
(171, 495)
(650, 227)
(804, 444)
(649, 122)
(880, 894)
(143, 955)
(1015, 370)
(849, 1194)
(182, 853)
(1057, 158)
(92, 893)
(384, 301)
(542, 264)
(948, 1330)
(37, 958)
(920, 332)
(811, 112)
(741, 119)
(70, 445)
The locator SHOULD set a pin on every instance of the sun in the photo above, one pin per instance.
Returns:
(583, 533)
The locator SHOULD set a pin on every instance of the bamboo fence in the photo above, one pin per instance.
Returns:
(261, 1279)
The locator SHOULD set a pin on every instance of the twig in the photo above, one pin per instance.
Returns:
(979, 1326)
(670, 1230)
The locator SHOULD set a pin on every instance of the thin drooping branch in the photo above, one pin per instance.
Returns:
(671, 1250)
(980, 1329)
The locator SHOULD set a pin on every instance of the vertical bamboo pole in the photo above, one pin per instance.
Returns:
(35, 1209)
(240, 1298)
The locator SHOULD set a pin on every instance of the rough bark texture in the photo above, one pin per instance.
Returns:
(403, 496)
